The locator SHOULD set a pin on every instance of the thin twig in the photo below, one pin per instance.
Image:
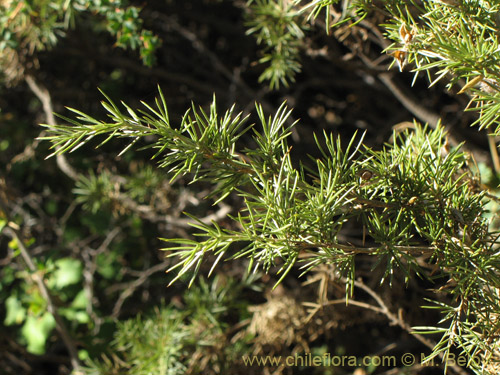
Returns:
(397, 320)
(351, 250)
(90, 259)
(44, 96)
(149, 213)
(133, 285)
(406, 99)
(409, 102)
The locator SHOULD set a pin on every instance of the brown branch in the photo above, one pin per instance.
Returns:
(398, 320)
(410, 102)
(90, 259)
(147, 212)
(44, 96)
(351, 250)
(131, 287)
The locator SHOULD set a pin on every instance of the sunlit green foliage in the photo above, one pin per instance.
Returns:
(415, 197)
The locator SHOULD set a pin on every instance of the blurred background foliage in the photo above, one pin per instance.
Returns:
(94, 235)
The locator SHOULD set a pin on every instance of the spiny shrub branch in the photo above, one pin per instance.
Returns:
(419, 203)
